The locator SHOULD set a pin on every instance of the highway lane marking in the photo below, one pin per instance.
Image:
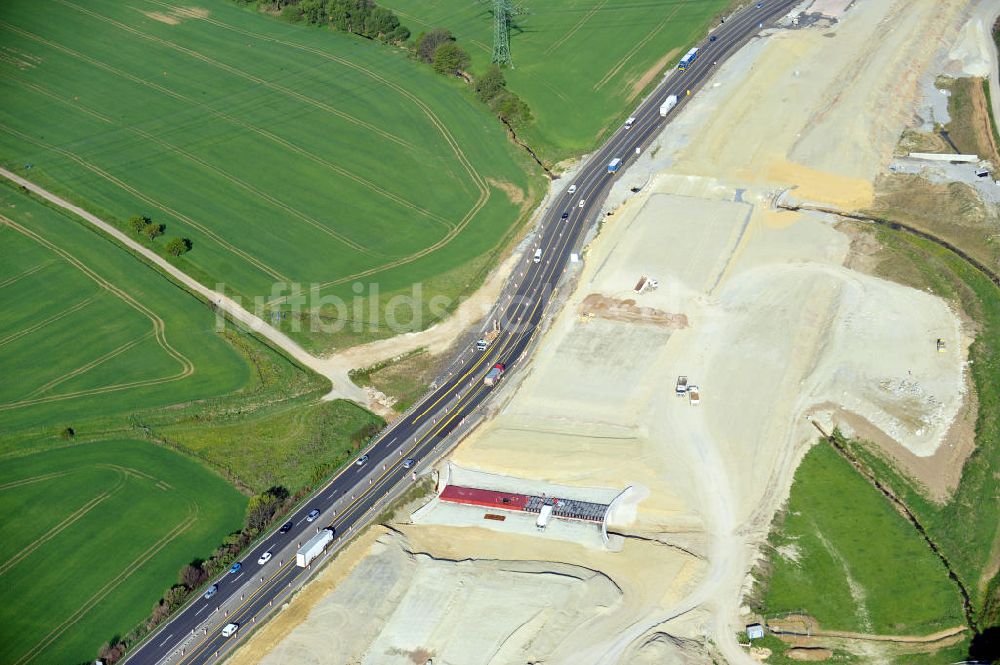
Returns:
(166, 638)
(237, 577)
(203, 608)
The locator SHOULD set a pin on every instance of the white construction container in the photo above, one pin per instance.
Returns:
(543, 517)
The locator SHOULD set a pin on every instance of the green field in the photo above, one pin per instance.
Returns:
(286, 154)
(579, 64)
(92, 534)
(844, 556)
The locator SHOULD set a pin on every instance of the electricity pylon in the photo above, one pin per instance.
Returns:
(503, 13)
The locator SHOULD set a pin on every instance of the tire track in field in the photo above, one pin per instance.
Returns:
(241, 74)
(27, 273)
(159, 327)
(63, 525)
(632, 51)
(34, 479)
(474, 175)
(169, 147)
(576, 27)
(41, 324)
(225, 117)
(252, 260)
(82, 369)
(110, 586)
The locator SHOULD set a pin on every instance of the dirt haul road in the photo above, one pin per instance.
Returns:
(757, 306)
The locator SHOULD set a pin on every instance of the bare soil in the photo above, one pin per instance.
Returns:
(628, 311)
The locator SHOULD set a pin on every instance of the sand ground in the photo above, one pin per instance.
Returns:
(765, 310)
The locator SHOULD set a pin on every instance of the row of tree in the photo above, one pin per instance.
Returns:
(440, 49)
(358, 17)
(144, 227)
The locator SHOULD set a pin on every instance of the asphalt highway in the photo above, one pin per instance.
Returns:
(347, 501)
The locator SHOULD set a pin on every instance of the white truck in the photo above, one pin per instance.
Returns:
(669, 103)
(694, 394)
(313, 548)
(491, 335)
(544, 515)
(682, 386)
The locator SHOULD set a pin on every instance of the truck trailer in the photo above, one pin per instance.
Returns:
(614, 165)
(688, 59)
(484, 342)
(493, 376)
(669, 103)
(313, 548)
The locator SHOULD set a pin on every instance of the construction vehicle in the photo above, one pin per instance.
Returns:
(493, 376)
(491, 335)
(682, 386)
(646, 284)
(941, 345)
(313, 548)
(669, 103)
(694, 394)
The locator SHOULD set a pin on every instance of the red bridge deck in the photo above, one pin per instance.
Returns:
(566, 508)
(487, 498)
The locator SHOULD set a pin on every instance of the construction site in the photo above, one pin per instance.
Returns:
(614, 505)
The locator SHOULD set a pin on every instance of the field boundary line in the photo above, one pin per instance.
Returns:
(579, 24)
(632, 51)
(63, 525)
(110, 586)
(86, 367)
(52, 319)
(93, 168)
(26, 273)
(378, 189)
(240, 73)
(159, 326)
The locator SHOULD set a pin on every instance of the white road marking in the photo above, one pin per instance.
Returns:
(238, 577)
(201, 610)
(166, 639)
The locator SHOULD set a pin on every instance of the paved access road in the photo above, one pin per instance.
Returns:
(346, 503)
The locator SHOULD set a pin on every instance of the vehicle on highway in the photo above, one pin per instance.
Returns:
(362, 460)
(313, 548)
(211, 591)
(235, 568)
(230, 629)
(712, 38)
(582, 203)
(537, 258)
(572, 188)
(688, 58)
(409, 462)
(565, 216)
(629, 123)
(668, 103)
(287, 526)
(313, 514)
(614, 165)
(264, 558)
(493, 376)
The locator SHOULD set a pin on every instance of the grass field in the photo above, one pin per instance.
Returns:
(92, 534)
(579, 64)
(847, 558)
(90, 330)
(285, 153)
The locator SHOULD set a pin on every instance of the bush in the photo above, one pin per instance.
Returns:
(490, 84)
(511, 109)
(178, 246)
(137, 223)
(67, 434)
(450, 58)
(152, 231)
(428, 43)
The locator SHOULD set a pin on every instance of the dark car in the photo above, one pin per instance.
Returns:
(313, 514)
(565, 216)
(712, 38)
(287, 526)
(409, 463)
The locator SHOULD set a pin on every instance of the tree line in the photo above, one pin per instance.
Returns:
(358, 17)
(144, 227)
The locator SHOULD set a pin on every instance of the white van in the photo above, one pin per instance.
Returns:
(629, 123)
(230, 629)
(538, 256)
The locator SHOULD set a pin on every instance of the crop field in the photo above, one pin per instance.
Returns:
(93, 533)
(286, 154)
(577, 63)
(843, 555)
(88, 329)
